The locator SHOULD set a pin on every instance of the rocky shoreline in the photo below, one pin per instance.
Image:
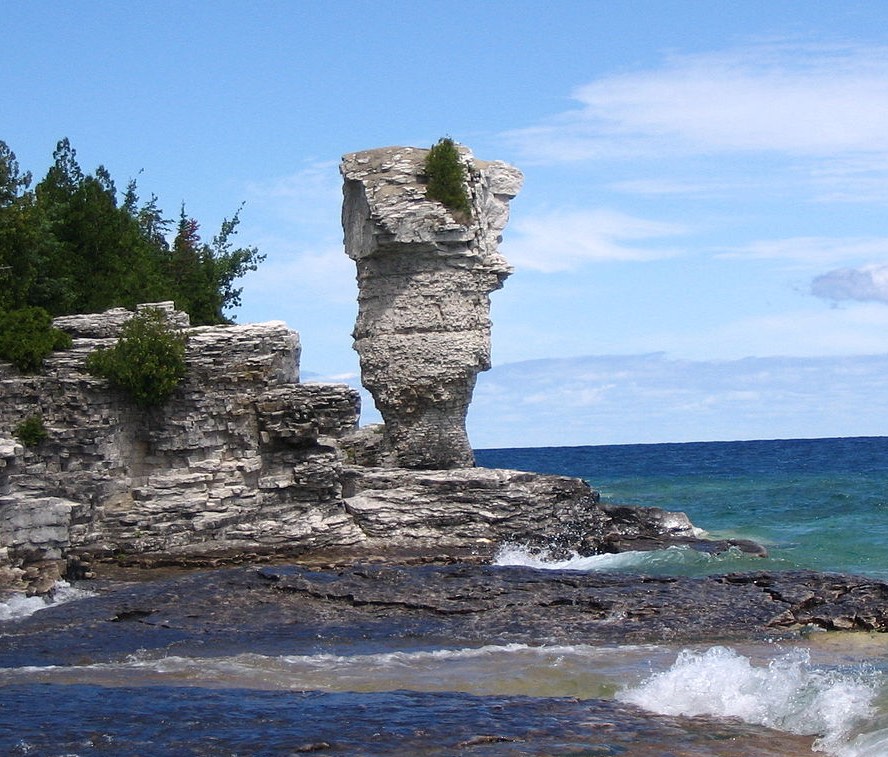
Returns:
(251, 515)
(300, 608)
(244, 461)
(331, 607)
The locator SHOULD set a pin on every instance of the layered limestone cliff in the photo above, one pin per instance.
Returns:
(244, 460)
(242, 457)
(424, 280)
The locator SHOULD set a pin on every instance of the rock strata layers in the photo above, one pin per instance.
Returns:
(241, 457)
(245, 461)
(424, 280)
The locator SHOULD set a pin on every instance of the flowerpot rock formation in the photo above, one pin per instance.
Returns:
(424, 280)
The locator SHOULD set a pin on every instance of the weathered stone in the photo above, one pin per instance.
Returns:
(244, 460)
(466, 506)
(110, 323)
(424, 280)
(483, 508)
(191, 476)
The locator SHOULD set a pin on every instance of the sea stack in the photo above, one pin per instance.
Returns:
(424, 276)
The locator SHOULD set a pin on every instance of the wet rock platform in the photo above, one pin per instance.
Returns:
(292, 609)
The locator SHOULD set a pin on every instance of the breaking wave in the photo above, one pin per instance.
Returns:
(670, 561)
(789, 694)
(21, 606)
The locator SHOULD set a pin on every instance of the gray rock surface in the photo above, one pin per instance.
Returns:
(481, 509)
(245, 461)
(292, 609)
(424, 280)
(111, 321)
(240, 458)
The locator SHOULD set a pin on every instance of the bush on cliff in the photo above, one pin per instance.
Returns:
(446, 177)
(31, 431)
(148, 361)
(27, 336)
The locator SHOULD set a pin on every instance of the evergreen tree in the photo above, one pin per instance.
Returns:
(446, 176)
(203, 274)
(231, 263)
(18, 237)
(70, 246)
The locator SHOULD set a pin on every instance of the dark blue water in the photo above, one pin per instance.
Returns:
(815, 503)
(175, 721)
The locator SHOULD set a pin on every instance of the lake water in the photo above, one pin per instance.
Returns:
(818, 504)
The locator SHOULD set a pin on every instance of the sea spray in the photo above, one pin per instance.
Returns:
(788, 693)
(672, 561)
(21, 606)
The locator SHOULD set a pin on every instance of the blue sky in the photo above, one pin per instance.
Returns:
(700, 246)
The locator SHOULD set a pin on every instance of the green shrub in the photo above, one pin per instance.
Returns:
(27, 336)
(148, 361)
(31, 431)
(446, 177)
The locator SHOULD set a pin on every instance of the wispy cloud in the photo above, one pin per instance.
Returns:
(564, 240)
(858, 329)
(866, 284)
(812, 251)
(294, 219)
(313, 273)
(657, 400)
(659, 186)
(797, 99)
(310, 196)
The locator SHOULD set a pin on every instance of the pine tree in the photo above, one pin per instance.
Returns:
(446, 176)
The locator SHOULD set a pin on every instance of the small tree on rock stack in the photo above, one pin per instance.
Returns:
(446, 176)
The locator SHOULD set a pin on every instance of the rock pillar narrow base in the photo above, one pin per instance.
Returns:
(424, 280)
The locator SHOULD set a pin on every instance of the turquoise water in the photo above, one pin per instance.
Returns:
(814, 503)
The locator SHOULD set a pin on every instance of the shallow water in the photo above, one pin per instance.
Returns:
(815, 503)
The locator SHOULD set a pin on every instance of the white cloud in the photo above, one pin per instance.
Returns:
(656, 187)
(308, 197)
(662, 400)
(294, 220)
(564, 240)
(866, 284)
(801, 100)
(812, 251)
(322, 274)
(857, 329)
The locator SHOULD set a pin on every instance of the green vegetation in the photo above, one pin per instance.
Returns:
(27, 336)
(71, 245)
(446, 177)
(148, 361)
(31, 431)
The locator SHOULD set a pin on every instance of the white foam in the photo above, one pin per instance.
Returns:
(513, 554)
(872, 744)
(21, 606)
(788, 694)
(675, 559)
